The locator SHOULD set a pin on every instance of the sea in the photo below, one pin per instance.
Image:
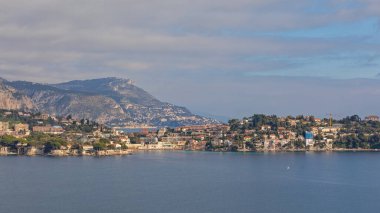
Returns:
(187, 181)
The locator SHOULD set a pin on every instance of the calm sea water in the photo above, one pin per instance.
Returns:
(192, 182)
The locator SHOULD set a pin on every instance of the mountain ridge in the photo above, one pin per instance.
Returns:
(114, 101)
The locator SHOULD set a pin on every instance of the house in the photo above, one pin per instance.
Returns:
(330, 129)
(21, 128)
(309, 139)
(4, 126)
(292, 122)
(164, 145)
(134, 146)
(372, 118)
(197, 145)
(4, 150)
(56, 130)
(315, 130)
(283, 142)
(247, 138)
(180, 145)
(161, 132)
(265, 128)
(125, 139)
(249, 131)
(43, 117)
(88, 148)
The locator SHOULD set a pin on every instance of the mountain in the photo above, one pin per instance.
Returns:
(114, 101)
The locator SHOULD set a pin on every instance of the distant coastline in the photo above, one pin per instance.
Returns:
(27, 133)
(130, 152)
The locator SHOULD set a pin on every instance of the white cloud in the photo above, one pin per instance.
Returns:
(168, 35)
(130, 66)
(55, 40)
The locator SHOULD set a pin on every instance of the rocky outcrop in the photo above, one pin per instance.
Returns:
(11, 99)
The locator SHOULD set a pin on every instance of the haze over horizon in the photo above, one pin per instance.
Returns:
(229, 58)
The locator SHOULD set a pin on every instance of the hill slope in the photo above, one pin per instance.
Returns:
(108, 100)
(11, 99)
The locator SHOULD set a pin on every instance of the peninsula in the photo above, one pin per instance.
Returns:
(28, 133)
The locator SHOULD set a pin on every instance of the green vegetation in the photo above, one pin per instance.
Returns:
(351, 132)
(101, 144)
(10, 141)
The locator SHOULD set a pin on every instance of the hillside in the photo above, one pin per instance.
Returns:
(11, 99)
(113, 101)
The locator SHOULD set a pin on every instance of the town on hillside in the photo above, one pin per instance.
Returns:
(26, 133)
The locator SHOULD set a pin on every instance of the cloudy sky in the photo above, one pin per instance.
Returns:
(221, 57)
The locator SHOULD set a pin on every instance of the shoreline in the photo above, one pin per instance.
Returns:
(110, 153)
(65, 154)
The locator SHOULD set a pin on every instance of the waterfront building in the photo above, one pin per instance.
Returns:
(309, 139)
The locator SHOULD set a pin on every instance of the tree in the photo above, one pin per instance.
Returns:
(8, 140)
(51, 145)
(318, 137)
(103, 140)
(234, 148)
(234, 124)
(250, 145)
(79, 147)
(99, 146)
(299, 144)
(209, 146)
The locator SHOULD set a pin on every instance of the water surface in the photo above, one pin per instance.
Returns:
(192, 182)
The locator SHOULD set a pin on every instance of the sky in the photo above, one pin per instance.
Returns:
(216, 57)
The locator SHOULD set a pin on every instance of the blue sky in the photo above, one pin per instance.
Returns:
(211, 46)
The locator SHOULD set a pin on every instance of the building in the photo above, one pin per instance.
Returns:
(315, 130)
(43, 117)
(265, 128)
(21, 128)
(164, 145)
(332, 129)
(4, 126)
(372, 118)
(309, 139)
(49, 129)
(161, 132)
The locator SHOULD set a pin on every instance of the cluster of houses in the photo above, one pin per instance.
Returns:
(269, 138)
(18, 130)
(316, 134)
(320, 134)
(180, 138)
(21, 130)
